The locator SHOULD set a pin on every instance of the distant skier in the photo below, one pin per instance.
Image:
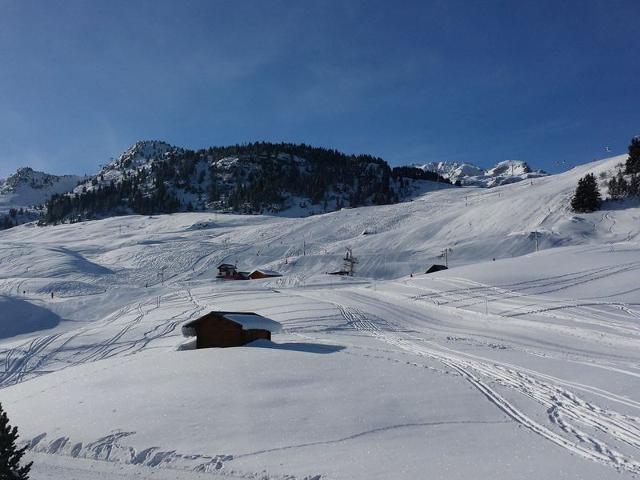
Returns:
(51, 293)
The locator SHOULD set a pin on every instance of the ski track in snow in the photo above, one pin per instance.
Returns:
(54, 352)
(564, 409)
(130, 333)
(514, 300)
(475, 294)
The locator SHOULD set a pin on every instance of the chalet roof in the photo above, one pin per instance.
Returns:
(271, 273)
(436, 268)
(226, 265)
(248, 321)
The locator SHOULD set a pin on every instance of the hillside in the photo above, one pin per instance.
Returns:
(389, 240)
(256, 178)
(388, 374)
(507, 171)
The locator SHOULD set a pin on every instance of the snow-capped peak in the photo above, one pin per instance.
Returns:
(139, 156)
(509, 167)
(27, 180)
(28, 187)
(27, 177)
(507, 171)
(140, 153)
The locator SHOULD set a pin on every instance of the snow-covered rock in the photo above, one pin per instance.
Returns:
(507, 171)
(140, 156)
(28, 187)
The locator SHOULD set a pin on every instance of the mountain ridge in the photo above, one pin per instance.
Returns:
(261, 177)
(153, 176)
(469, 174)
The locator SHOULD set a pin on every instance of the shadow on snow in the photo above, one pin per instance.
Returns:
(297, 346)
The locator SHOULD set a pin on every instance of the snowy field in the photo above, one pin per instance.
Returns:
(511, 364)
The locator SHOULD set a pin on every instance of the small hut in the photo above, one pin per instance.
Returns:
(435, 268)
(229, 329)
(338, 272)
(259, 273)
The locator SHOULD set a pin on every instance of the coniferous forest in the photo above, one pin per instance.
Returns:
(252, 178)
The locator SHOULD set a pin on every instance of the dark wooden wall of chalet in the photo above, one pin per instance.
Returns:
(255, 334)
(219, 332)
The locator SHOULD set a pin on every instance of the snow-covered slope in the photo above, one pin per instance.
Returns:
(27, 188)
(523, 367)
(507, 171)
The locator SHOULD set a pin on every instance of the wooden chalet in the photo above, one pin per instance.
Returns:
(229, 329)
(228, 271)
(259, 273)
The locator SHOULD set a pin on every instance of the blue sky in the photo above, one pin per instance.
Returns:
(411, 81)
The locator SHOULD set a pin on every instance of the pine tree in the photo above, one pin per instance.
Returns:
(612, 185)
(623, 185)
(618, 187)
(633, 162)
(587, 196)
(10, 455)
(634, 185)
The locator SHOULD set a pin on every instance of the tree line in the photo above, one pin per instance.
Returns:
(623, 184)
